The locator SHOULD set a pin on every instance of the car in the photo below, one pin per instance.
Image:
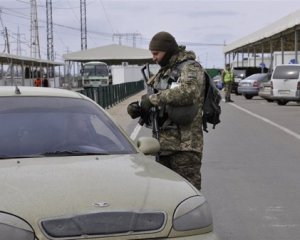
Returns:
(218, 81)
(68, 171)
(285, 83)
(265, 91)
(249, 86)
(241, 73)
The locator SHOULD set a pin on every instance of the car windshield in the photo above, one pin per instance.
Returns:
(258, 76)
(286, 72)
(95, 70)
(51, 126)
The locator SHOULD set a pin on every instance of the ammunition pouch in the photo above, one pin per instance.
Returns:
(182, 115)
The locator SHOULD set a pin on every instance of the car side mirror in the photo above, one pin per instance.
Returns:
(148, 145)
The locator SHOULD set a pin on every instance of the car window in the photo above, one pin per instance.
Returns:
(258, 76)
(39, 125)
(239, 73)
(286, 72)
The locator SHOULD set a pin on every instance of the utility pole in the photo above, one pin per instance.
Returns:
(50, 49)
(132, 36)
(6, 40)
(34, 31)
(83, 32)
(83, 28)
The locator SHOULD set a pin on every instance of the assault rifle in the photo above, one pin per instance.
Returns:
(153, 111)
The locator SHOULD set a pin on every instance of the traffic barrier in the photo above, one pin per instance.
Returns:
(108, 96)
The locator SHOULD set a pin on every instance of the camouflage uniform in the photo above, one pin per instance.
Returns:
(181, 145)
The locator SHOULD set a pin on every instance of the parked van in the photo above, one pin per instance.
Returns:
(285, 83)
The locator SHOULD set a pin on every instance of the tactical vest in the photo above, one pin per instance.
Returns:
(228, 76)
(180, 115)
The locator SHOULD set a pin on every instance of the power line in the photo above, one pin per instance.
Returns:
(127, 35)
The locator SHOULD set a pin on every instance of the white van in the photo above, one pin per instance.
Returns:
(285, 83)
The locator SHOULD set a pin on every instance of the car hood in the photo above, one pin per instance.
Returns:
(45, 188)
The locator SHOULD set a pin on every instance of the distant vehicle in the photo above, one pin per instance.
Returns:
(249, 86)
(95, 74)
(218, 81)
(289, 57)
(285, 83)
(265, 91)
(240, 73)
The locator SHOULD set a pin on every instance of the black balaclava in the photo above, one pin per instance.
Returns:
(165, 42)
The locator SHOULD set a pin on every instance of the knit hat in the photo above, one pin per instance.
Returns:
(163, 41)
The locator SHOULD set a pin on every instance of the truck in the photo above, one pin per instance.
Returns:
(289, 57)
(95, 74)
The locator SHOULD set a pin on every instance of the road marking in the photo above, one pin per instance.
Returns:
(138, 127)
(286, 130)
(135, 132)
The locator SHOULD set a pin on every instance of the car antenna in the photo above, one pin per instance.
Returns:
(17, 90)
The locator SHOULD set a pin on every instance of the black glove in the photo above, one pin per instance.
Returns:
(134, 110)
(145, 103)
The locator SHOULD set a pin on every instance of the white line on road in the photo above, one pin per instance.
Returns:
(135, 132)
(137, 129)
(286, 130)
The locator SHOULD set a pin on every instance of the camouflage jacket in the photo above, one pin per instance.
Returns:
(189, 90)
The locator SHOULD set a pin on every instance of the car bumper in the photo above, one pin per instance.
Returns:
(286, 95)
(287, 98)
(265, 95)
(248, 90)
(207, 236)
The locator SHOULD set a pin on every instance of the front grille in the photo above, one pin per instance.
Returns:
(104, 223)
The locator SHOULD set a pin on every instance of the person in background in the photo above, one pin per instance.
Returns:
(228, 79)
(179, 96)
(38, 82)
(45, 81)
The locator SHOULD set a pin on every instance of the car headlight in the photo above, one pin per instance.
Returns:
(194, 213)
(14, 228)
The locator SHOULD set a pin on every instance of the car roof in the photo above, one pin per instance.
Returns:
(37, 91)
(288, 65)
(256, 75)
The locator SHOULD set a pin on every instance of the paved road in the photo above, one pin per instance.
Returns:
(250, 169)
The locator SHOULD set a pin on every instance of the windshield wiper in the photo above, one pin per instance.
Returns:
(72, 153)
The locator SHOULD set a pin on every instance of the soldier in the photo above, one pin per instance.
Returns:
(228, 79)
(179, 97)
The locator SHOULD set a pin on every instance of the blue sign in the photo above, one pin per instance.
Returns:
(293, 61)
(262, 65)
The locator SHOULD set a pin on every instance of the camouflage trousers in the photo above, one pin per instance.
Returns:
(228, 89)
(186, 164)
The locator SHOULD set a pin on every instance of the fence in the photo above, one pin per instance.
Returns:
(107, 96)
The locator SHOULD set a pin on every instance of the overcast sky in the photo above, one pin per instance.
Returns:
(203, 25)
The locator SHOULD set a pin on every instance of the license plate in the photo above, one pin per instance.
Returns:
(267, 88)
(283, 92)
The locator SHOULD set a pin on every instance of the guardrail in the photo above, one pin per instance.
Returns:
(108, 96)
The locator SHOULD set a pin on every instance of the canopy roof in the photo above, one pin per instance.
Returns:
(284, 25)
(111, 54)
(20, 60)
